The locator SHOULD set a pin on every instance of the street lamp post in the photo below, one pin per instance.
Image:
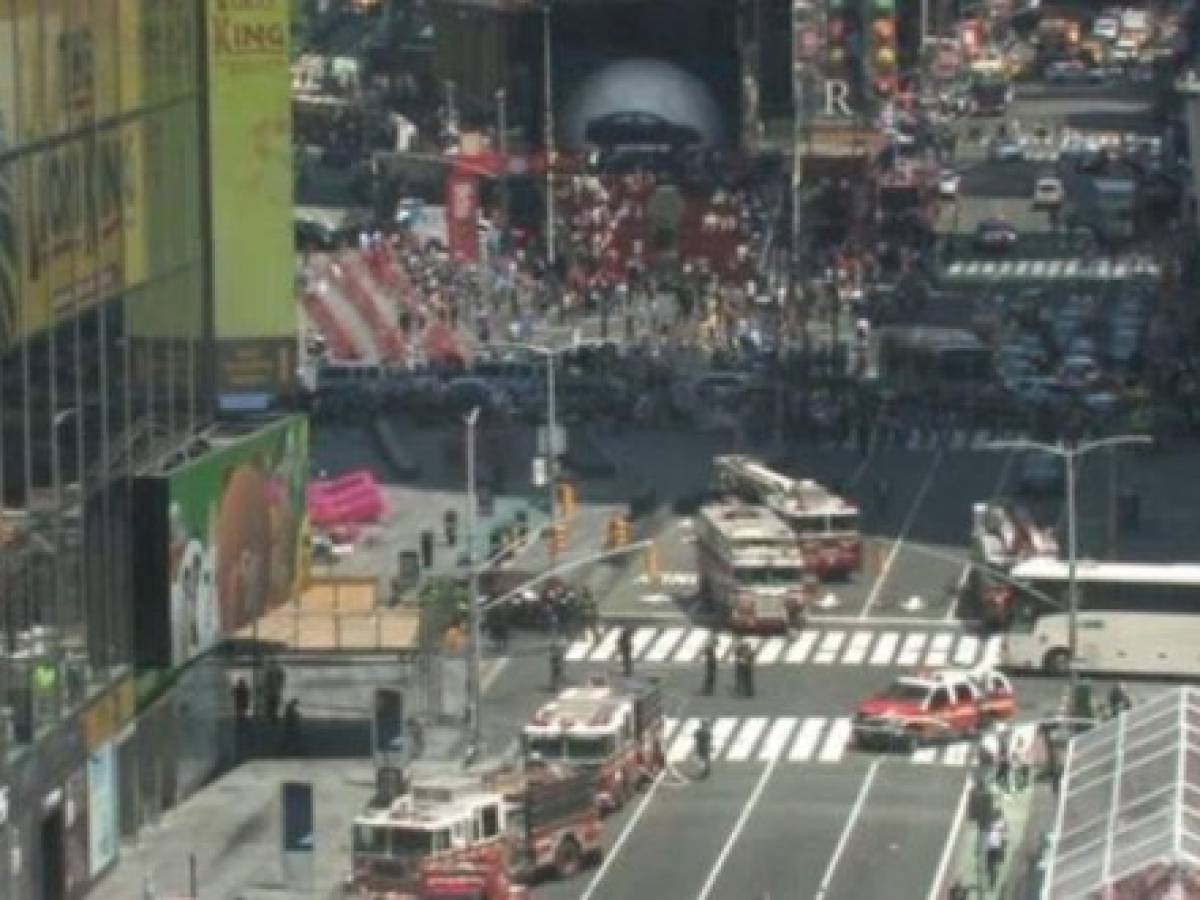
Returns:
(502, 147)
(548, 122)
(1070, 453)
(473, 661)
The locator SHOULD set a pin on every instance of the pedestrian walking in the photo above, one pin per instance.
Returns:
(293, 738)
(996, 845)
(557, 663)
(710, 667)
(590, 612)
(625, 649)
(1119, 700)
(1004, 760)
(743, 667)
(702, 739)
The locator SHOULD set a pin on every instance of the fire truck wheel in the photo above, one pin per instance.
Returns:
(910, 740)
(1057, 661)
(567, 858)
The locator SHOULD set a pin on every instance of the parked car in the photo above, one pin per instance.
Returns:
(1006, 149)
(948, 183)
(1040, 474)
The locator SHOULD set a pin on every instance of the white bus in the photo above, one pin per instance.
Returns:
(1135, 618)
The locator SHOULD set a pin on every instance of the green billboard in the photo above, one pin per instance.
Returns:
(235, 520)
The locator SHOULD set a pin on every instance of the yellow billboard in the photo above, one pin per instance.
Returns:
(250, 158)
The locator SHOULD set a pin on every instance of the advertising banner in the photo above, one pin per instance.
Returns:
(250, 129)
(462, 207)
(234, 522)
(102, 810)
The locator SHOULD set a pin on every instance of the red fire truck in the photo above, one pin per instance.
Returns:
(611, 727)
(502, 826)
(827, 525)
(464, 881)
(1003, 535)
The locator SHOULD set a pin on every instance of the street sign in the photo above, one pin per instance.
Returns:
(560, 440)
(538, 476)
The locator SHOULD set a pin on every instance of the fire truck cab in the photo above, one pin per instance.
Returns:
(828, 526)
(502, 826)
(751, 567)
(611, 728)
(1003, 535)
(949, 704)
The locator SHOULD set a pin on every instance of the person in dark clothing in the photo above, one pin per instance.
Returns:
(293, 740)
(703, 745)
(557, 661)
(710, 668)
(241, 701)
(275, 680)
(1119, 700)
(743, 662)
(625, 649)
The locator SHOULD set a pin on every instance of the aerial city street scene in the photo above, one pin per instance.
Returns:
(599, 449)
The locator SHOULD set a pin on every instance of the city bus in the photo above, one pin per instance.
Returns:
(1134, 618)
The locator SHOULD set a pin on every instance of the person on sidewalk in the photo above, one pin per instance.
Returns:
(557, 663)
(996, 842)
(293, 737)
(274, 683)
(1004, 759)
(1119, 700)
(710, 668)
(625, 649)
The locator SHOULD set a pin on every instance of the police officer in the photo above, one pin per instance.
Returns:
(625, 648)
(710, 667)
(744, 667)
(590, 612)
(703, 745)
(557, 658)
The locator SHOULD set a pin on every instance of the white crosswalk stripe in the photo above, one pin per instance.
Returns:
(866, 646)
(1117, 268)
(819, 740)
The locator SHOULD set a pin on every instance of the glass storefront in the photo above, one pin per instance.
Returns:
(102, 321)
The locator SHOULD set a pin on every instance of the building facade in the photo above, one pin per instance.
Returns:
(133, 178)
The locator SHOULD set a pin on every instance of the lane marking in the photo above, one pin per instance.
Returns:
(958, 753)
(909, 520)
(690, 648)
(724, 645)
(740, 824)
(965, 575)
(967, 650)
(665, 644)
(777, 738)
(910, 653)
(641, 640)
(991, 652)
(798, 652)
(607, 647)
(830, 645)
(492, 674)
(844, 839)
(885, 648)
(857, 651)
(834, 747)
(951, 844)
(722, 730)
(924, 757)
(772, 649)
(613, 851)
(806, 739)
(669, 725)
(742, 748)
(939, 650)
(681, 747)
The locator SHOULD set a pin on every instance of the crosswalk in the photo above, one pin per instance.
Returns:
(1105, 269)
(803, 739)
(669, 645)
(912, 437)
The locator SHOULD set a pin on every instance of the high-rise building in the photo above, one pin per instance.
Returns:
(145, 293)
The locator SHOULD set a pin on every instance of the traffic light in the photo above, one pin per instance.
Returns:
(557, 537)
(841, 28)
(618, 531)
(883, 47)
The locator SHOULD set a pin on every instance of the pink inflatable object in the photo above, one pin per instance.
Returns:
(352, 498)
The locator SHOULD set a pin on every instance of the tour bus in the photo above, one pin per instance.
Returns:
(919, 357)
(1135, 618)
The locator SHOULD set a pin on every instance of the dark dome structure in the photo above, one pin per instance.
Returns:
(644, 88)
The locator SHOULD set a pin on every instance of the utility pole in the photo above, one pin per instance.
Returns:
(502, 148)
(451, 109)
(473, 662)
(551, 442)
(548, 121)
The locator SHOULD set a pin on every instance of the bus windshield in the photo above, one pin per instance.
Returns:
(589, 749)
